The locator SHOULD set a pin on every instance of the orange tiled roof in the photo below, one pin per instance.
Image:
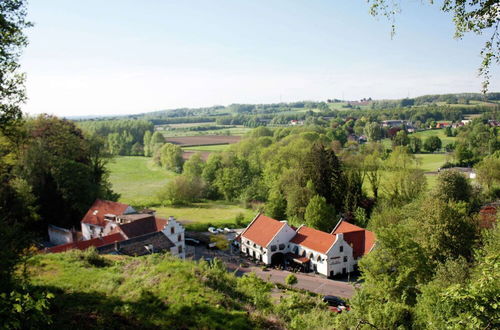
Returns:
(262, 230)
(360, 239)
(140, 227)
(95, 214)
(82, 245)
(314, 239)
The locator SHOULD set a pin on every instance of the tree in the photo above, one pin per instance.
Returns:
(432, 143)
(401, 139)
(291, 279)
(137, 149)
(415, 144)
(181, 190)
(373, 131)
(453, 186)
(319, 214)
(170, 156)
(193, 167)
(157, 141)
(488, 171)
(65, 170)
(469, 16)
(147, 144)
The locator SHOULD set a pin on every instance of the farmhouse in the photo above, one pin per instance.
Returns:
(117, 228)
(275, 242)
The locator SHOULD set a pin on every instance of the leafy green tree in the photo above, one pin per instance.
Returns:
(157, 141)
(63, 168)
(137, 149)
(276, 205)
(453, 186)
(170, 156)
(373, 166)
(291, 279)
(319, 214)
(233, 177)
(432, 143)
(209, 174)
(181, 190)
(488, 171)
(193, 167)
(401, 139)
(373, 131)
(147, 144)
(415, 144)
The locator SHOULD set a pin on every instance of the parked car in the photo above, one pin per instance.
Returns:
(228, 230)
(213, 230)
(336, 304)
(220, 231)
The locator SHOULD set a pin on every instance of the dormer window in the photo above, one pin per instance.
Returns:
(341, 249)
(172, 230)
(179, 237)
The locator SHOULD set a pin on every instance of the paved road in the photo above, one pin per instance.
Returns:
(311, 282)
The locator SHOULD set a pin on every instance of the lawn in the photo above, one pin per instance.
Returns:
(431, 162)
(199, 216)
(211, 148)
(137, 179)
(437, 132)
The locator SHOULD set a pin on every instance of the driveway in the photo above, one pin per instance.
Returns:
(310, 282)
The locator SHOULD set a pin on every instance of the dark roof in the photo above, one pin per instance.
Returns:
(146, 225)
(137, 246)
(82, 245)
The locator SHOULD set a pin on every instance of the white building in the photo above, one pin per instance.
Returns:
(100, 214)
(275, 242)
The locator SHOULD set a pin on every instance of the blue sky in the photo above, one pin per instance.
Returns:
(119, 56)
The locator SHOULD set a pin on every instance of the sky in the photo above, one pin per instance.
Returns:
(112, 57)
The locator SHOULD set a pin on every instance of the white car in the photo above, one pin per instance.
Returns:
(213, 230)
(228, 230)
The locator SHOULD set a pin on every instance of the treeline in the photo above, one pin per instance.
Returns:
(122, 137)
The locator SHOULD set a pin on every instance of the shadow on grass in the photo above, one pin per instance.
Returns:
(93, 310)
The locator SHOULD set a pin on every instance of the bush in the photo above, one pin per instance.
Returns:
(291, 279)
(90, 257)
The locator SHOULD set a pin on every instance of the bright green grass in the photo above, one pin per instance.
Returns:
(151, 292)
(199, 216)
(431, 162)
(237, 131)
(211, 148)
(137, 179)
(437, 132)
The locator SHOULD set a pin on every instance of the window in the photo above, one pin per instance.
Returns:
(341, 248)
(180, 249)
(304, 253)
(281, 246)
(345, 259)
(318, 259)
(172, 230)
(179, 237)
(273, 248)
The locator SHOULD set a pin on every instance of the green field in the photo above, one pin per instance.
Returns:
(437, 132)
(199, 216)
(237, 131)
(431, 162)
(137, 179)
(211, 148)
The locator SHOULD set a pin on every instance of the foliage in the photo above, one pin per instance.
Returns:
(488, 171)
(319, 214)
(220, 241)
(291, 279)
(181, 190)
(432, 143)
(170, 157)
(453, 186)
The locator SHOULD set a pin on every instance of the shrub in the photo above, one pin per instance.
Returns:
(291, 279)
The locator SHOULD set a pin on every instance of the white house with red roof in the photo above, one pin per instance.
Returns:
(265, 237)
(100, 214)
(275, 242)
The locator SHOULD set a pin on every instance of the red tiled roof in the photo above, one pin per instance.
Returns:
(314, 239)
(95, 214)
(140, 227)
(360, 239)
(262, 230)
(82, 245)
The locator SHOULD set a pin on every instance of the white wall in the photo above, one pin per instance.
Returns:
(91, 231)
(336, 257)
(282, 237)
(174, 230)
(60, 236)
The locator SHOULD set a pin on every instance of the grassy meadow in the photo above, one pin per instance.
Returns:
(151, 292)
(137, 179)
(437, 132)
(209, 148)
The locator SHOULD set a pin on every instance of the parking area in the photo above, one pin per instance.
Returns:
(342, 287)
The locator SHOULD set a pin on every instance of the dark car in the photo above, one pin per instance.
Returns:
(336, 304)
